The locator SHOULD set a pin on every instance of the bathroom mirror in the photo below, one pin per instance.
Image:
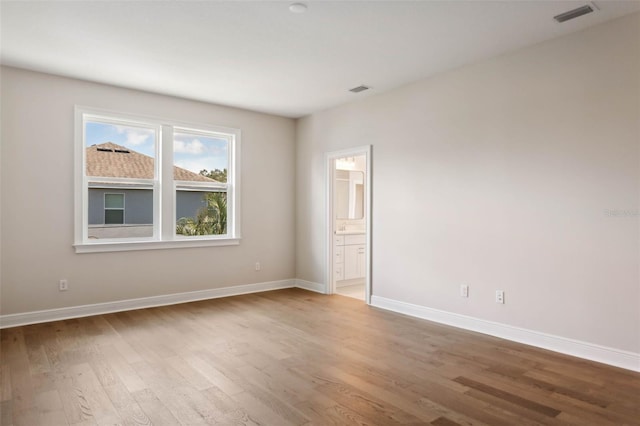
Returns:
(349, 192)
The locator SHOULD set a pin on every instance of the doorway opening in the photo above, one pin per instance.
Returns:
(349, 223)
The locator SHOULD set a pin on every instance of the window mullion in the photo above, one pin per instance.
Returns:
(233, 187)
(167, 203)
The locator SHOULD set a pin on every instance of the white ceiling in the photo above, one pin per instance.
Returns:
(259, 56)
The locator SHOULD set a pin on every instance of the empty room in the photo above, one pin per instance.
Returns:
(320, 212)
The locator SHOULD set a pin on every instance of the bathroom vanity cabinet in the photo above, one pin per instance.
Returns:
(350, 261)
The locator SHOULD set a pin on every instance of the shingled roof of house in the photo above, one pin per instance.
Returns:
(112, 160)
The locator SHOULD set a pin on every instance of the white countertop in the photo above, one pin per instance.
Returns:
(350, 232)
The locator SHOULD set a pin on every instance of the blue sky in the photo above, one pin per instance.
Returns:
(191, 152)
(195, 152)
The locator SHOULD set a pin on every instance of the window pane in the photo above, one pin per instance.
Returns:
(200, 158)
(119, 151)
(114, 201)
(114, 217)
(201, 213)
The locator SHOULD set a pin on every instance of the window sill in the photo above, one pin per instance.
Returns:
(111, 246)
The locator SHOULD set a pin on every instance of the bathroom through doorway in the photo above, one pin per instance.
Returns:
(348, 219)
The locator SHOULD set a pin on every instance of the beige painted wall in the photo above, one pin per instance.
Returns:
(37, 200)
(499, 175)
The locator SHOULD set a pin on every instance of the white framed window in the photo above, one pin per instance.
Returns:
(180, 182)
(113, 209)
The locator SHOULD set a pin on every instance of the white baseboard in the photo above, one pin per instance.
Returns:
(311, 286)
(14, 320)
(590, 351)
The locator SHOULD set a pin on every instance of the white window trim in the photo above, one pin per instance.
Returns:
(164, 187)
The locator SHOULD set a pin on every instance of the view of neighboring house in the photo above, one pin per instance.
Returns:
(125, 210)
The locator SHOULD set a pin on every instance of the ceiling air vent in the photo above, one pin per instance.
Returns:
(359, 89)
(572, 14)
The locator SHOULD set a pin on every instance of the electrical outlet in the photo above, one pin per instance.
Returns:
(258, 267)
(63, 285)
(464, 290)
(499, 296)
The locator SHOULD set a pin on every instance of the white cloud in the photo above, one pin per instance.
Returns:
(135, 136)
(194, 147)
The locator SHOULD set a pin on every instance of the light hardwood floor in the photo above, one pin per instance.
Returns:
(293, 357)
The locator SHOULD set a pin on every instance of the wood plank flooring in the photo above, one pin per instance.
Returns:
(293, 357)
